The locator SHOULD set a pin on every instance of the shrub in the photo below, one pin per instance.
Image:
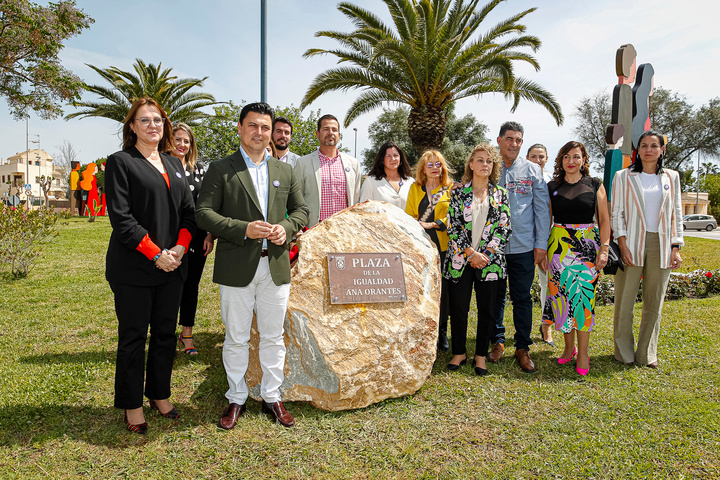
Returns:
(696, 284)
(23, 234)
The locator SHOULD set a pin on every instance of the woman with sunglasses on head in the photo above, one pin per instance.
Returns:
(647, 223)
(577, 251)
(479, 216)
(390, 178)
(153, 219)
(427, 202)
(185, 149)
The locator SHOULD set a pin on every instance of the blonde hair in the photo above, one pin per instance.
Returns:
(421, 177)
(192, 154)
(494, 156)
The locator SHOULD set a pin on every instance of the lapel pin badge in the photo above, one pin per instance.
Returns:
(667, 187)
(276, 183)
(177, 174)
(347, 169)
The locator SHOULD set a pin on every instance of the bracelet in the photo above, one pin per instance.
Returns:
(156, 257)
(675, 246)
(471, 255)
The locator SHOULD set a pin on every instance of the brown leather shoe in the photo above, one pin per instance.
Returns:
(278, 412)
(497, 352)
(654, 364)
(230, 416)
(523, 357)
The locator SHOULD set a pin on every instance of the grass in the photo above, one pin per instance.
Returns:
(57, 352)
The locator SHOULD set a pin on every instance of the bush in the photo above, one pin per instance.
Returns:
(23, 234)
(696, 284)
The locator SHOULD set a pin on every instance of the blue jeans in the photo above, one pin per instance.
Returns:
(521, 271)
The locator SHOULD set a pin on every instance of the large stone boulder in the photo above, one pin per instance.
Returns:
(341, 357)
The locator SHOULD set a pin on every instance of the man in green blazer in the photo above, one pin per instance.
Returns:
(253, 204)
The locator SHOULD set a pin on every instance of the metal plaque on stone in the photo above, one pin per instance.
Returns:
(366, 278)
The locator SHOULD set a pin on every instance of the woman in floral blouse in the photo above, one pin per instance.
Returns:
(479, 226)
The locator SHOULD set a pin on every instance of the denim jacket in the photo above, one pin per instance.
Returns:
(529, 205)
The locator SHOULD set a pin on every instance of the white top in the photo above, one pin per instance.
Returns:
(652, 195)
(479, 217)
(373, 189)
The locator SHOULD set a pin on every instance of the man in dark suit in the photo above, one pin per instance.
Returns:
(253, 204)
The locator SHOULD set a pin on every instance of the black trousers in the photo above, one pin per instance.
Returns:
(486, 297)
(196, 263)
(136, 309)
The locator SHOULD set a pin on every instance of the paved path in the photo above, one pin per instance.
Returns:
(714, 235)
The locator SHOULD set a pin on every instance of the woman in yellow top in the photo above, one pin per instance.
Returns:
(428, 202)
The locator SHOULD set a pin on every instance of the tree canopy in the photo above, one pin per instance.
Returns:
(689, 129)
(429, 57)
(31, 38)
(462, 135)
(172, 93)
(217, 136)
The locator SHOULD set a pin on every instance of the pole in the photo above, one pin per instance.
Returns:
(697, 193)
(27, 160)
(263, 50)
(355, 130)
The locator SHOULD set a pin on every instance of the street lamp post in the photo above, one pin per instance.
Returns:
(355, 130)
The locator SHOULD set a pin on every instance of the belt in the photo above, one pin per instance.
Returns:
(263, 253)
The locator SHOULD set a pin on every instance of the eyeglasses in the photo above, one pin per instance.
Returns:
(436, 164)
(145, 121)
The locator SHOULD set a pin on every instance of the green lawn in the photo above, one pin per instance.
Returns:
(57, 351)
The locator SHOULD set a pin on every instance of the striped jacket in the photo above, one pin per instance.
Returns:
(628, 219)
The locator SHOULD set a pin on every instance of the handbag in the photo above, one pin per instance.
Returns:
(614, 256)
(614, 259)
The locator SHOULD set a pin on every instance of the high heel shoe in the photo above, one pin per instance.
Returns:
(582, 371)
(172, 414)
(140, 428)
(452, 367)
(187, 350)
(542, 335)
(563, 361)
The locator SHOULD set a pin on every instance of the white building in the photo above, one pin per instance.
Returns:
(24, 167)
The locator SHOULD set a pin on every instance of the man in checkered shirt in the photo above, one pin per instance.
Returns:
(330, 180)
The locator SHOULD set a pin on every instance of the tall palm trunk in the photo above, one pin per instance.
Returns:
(426, 128)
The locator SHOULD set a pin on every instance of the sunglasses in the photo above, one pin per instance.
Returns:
(435, 164)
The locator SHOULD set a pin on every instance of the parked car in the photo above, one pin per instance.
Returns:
(699, 222)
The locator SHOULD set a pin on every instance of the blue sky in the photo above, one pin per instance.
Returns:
(220, 40)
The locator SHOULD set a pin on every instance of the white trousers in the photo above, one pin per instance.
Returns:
(269, 302)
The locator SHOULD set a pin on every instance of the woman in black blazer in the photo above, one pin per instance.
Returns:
(152, 215)
(185, 149)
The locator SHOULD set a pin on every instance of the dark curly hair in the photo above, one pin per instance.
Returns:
(559, 172)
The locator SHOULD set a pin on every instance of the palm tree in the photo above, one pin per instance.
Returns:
(427, 60)
(171, 92)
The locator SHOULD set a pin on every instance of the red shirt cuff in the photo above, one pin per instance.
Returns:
(184, 238)
(148, 248)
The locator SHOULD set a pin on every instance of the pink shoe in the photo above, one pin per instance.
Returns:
(563, 361)
(582, 371)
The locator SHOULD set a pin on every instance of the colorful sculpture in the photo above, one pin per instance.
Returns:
(630, 115)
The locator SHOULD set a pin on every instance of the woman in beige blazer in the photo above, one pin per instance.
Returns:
(647, 223)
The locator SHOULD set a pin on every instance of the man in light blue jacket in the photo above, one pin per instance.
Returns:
(527, 245)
